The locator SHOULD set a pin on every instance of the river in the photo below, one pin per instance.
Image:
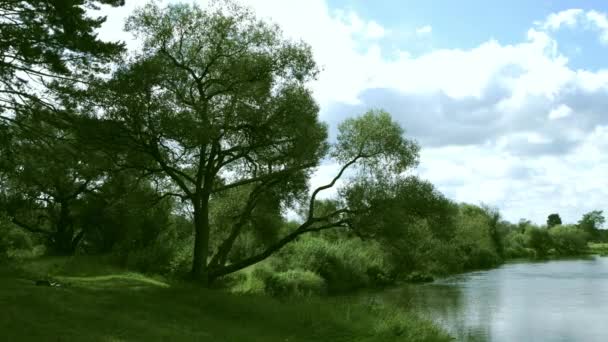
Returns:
(559, 300)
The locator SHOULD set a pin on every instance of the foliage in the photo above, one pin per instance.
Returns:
(45, 178)
(405, 215)
(125, 214)
(516, 246)
(553, 220)
(568, 239)
(475, 237)
(345, 264)
(539, 240)
(598, 248)
(294, 282)
(42, 40)
(591, 223)
(14, 242)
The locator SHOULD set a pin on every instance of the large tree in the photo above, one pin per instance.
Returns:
(46, 40)
(43, 176)
(217, 101)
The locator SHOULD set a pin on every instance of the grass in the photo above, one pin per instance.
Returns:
(103, 303)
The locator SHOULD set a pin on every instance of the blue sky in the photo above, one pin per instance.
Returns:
(466, 24)
(508, 99)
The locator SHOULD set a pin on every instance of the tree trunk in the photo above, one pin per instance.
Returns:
(62, 239)
(200, 270)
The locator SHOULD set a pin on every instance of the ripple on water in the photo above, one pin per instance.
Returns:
(561, 300)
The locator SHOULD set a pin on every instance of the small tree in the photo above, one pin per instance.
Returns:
(553, 220)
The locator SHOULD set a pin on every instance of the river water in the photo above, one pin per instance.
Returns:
(560, 300)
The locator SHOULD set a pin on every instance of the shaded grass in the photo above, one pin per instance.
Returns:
(119, 306)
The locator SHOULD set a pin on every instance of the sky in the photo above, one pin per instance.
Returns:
(506, 99)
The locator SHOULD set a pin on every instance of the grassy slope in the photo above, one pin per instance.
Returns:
(111, 305)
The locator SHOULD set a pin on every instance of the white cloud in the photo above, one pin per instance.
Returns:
(601, 23)
(568, 17)
(571, 18)
(374, 30)
(562, 111)
(427, 29)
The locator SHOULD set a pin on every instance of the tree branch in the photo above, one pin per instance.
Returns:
(262, 178)
(304, 228)
(311, 207)
(28, 227)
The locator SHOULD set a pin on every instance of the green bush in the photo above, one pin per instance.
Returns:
(294, 283)
(568, 240)
(441, 258)
(479, 257)
(539, 240)
(344, 264)
(167, 254)
(249, 280)
(418, 277)
(516, 247)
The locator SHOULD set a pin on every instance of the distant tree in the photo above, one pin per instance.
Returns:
(41, 41)
(523, 223)
(553, 220)
(217, 101)
(591, 223)
(494, 226)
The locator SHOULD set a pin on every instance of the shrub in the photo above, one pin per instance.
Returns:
(167, 254)
(539, 240)
(568, 240)
(515, 246)
(294, 283)
(15, 243)
(479, 257)
(418, 277)
(344, 264)
(441, 258)
(475, 238)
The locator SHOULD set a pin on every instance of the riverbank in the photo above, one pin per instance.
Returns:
(97, 302)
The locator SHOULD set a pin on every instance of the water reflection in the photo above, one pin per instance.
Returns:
(565, 300)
